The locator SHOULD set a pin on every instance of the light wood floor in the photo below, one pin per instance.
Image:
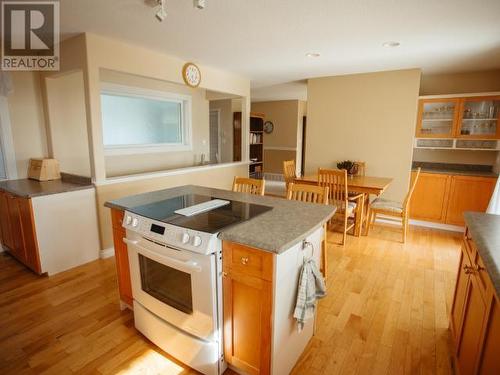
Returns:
(386, 313)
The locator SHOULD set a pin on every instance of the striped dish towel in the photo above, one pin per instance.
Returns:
(311, 288)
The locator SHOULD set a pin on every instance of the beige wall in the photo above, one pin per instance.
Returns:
(120, 165)
(226, 128)
(282, 143)
(68, 124)
(368, 117)
(219, 177)
(460, 83)
(27, 120)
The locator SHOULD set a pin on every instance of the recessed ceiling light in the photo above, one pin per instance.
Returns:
(391, 44)
(313, 54)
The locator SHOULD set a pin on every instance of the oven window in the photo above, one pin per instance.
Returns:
(166, 284)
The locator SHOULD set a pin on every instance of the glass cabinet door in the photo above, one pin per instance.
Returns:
(479, 118)
(437, 118)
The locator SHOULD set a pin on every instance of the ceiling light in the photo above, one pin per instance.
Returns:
(391, 44)
(161, 14)
(313, 54)
(199, 4)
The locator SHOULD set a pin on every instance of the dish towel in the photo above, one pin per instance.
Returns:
(494, 206)
(311, 288)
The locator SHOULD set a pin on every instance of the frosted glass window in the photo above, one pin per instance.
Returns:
(132, 120)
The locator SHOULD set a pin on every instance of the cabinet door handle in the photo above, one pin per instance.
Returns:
(244, 260)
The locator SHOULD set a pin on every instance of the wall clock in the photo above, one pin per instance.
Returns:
(191, 74)
(268, 127)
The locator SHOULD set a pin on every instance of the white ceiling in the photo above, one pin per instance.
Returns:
(266, 40)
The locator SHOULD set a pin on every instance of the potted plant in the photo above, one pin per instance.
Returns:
(350, 166)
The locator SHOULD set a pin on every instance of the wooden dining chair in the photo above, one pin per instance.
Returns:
(248, 185)
(392, 209)
(349, 207)
(289, 172)
(312, 194)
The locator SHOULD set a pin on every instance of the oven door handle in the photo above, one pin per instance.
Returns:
(185, 265)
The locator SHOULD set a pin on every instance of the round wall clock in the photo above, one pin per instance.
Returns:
(191, 74)
(268, 127)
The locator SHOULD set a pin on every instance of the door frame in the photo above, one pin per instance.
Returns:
(6, 140)
(219, 143)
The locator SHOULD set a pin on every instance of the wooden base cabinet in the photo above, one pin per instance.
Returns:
(121, 257)
(18, 230)
(475, 316)
(444, 198)
(247, 288)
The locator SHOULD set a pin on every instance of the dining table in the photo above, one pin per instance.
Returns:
(366, 185)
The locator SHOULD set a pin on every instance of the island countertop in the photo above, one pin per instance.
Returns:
(288, 223)
(485, 232)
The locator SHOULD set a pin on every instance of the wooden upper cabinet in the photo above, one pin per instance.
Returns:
(437, 118)
(430, 197)
(468, 193)
(479, 118)
(465, 117)
(489, 362)
(247, 289)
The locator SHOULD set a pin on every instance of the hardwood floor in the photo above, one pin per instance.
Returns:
(386, 313)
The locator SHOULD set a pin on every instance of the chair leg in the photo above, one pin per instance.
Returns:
(405, 225)
(344, 236)
(325, 253)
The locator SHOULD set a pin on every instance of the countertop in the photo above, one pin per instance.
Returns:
(458, 172)
(478, 170)
(27, 188)
(485, 232)
(288, 223)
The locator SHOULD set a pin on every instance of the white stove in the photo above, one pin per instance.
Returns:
(175, 261)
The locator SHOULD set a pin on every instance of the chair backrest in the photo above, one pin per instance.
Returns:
(248, 185)
(406, 202)
(307, 193)
(361, 168)
(289, 171)
(336, 181)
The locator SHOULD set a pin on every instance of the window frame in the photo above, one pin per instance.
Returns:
(138, 92)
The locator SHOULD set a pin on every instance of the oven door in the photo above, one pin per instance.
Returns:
(178, 286)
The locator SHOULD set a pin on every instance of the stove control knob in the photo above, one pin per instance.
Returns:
(135, 221)
(196, 241)
(128, 219)
(185, 238)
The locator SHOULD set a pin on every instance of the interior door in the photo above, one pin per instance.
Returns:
(237, 136)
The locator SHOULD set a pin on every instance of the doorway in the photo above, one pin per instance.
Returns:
(215, 136)
(303, 152)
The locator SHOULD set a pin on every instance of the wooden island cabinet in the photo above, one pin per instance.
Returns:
(475, 316)
(443, 198)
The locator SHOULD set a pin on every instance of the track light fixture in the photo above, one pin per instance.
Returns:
(161, 8)
(161, 12)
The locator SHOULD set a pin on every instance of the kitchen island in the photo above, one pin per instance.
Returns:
(261, 261)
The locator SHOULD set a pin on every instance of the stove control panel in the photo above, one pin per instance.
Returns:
(172, 235)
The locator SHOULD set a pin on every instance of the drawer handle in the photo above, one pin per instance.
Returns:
(244, 260)
(468, 270)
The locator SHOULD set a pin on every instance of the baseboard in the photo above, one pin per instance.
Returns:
(274, 176)
(429, 224)
(107, 253)
(425, 224)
